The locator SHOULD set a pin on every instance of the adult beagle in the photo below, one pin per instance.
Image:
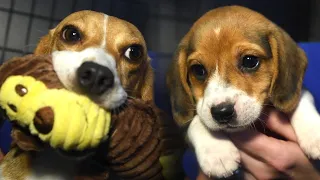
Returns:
(94, 54)
(231, 65)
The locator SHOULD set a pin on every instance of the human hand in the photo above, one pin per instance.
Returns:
(267, 157)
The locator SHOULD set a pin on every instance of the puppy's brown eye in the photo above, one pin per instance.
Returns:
(133, 52)
(71, 34)
(249, 63)
(199, 71)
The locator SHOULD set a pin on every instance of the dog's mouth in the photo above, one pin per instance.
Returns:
(234, 128)
(120, 108)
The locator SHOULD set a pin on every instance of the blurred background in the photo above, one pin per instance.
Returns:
(162, 22)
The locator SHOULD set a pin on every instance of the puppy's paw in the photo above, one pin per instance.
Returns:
(306, 123)
(310, 143)
(218, 160)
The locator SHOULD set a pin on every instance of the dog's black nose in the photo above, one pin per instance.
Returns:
(223, 113)
(94, 78)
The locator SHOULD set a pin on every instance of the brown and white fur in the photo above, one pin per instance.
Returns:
(84, 36)
(208, 70)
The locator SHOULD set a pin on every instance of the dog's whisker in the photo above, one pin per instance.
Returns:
(254, 126)
(41, 31)
(223, 164)
(187, 122)
(202, 105)
(263, 124)
(192, 109)
(193, 105)
(267, 115)
(132, 97)
(250, 126)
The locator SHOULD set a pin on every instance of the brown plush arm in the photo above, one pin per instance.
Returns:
(140, 135)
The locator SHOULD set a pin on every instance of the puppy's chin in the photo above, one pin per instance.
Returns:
(231, 127)
(112, 100)
(235, 128)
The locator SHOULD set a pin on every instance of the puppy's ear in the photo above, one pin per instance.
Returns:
(179, 89)
(44, 46)
(290, 63)
(147, 86)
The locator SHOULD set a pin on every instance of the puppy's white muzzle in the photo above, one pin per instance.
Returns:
(67, 63)
(245, 109)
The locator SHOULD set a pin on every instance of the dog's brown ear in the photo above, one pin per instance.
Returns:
(179, 89)
(147, 86)
(290, 63)
(44, 46)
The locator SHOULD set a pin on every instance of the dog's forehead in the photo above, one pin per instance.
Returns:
(120, 34)
(86, 19)
(119, 26)
(225, 38)
(82, 18)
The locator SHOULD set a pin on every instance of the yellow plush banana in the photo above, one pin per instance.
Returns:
(72, 121)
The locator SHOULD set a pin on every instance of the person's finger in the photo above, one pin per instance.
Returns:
(258, 169)
(248, 176)
(273, 151)
(279, 123)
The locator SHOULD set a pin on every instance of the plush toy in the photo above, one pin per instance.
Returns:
(57, 116)
(138, 142)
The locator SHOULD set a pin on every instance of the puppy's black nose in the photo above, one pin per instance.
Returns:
(223, 113)
(94, 79)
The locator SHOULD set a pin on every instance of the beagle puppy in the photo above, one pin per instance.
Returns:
(94, 54)
(230, 65)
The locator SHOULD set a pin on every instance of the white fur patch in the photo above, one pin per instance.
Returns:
(217, 91)
(216, 154)
(66, 64)
(306, 123)
(104, 39)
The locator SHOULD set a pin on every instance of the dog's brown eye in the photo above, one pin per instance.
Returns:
(133, 52)
(199, 71)
(249, 63)
(71, 34)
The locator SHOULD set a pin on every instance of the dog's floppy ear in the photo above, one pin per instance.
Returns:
(147, 85)
(290, 64)
(44, 46)
(179, 89)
